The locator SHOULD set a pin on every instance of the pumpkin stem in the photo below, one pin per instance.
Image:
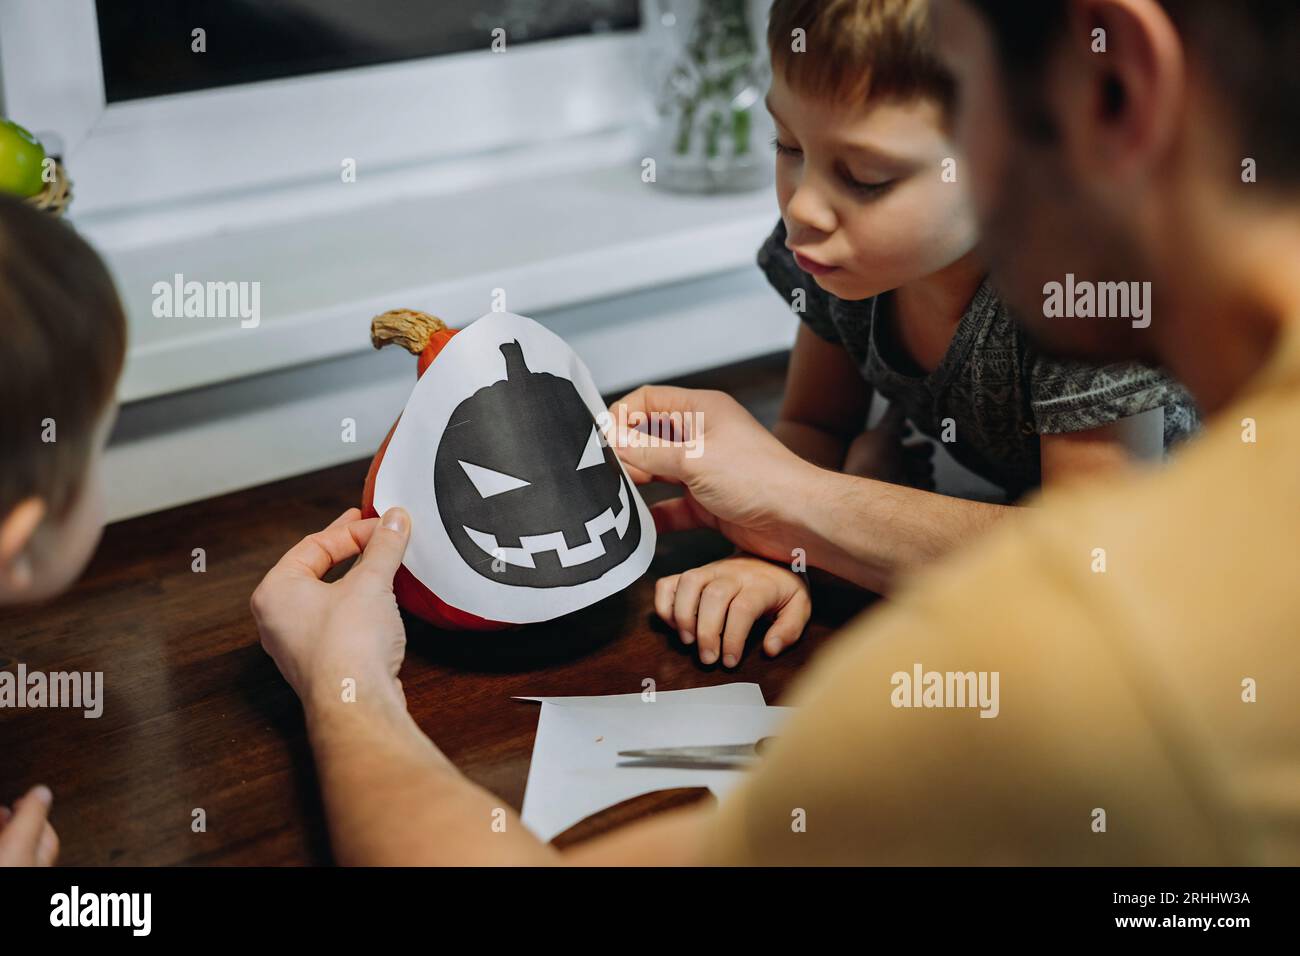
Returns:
(410, 329)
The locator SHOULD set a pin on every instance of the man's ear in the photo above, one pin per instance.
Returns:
(1127, 118)
(16, 531)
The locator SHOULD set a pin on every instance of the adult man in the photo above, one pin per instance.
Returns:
(1144, 630)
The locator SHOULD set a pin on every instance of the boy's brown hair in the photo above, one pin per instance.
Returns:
(855, 49)
(62, 345)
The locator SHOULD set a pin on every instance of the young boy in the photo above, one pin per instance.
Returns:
(62, 344)
(875, 251)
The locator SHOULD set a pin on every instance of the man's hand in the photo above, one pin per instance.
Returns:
(321, 634)
(391, 797)
(26, 837)
(739, 478)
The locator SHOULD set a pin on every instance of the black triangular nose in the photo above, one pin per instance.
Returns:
(516, 368)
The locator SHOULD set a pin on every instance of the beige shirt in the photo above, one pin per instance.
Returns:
(1125, 732)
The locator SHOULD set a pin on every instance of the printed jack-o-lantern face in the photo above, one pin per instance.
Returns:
(528, 491)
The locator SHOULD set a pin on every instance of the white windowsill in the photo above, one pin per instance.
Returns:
(643, 283)
(572, 236)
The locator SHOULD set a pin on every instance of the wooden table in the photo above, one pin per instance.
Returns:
(196, 716)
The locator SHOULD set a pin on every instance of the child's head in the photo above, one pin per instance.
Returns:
(860, 106)
(62, 342)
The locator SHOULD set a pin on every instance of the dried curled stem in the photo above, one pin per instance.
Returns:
(410, 329)
(57, 194)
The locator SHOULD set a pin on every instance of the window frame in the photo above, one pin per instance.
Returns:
(258, 136)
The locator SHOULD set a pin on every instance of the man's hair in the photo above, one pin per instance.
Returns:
(855, 49)
(1250, 48)
(62, 344)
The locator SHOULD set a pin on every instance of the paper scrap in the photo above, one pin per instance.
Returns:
(576, 770)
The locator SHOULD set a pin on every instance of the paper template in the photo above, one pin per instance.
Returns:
(520, 510)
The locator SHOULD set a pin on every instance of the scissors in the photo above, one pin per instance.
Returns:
(712, 754)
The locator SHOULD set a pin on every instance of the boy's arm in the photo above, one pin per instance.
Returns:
(1093, 418)
(826, 401)
(1076, 454)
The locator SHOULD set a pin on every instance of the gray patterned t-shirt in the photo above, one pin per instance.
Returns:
(998, 390)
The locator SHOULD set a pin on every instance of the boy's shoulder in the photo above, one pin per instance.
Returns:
(992, 372)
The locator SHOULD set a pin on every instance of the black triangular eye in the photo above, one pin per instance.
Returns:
(488, 482)
(594, 453)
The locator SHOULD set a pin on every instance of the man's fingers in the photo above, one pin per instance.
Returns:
(22, 834)
(649, 429)
(384, 552)
(317, 553)
(638, 476)
(349, 516)
(637, 406)
(680, 514)
(663, 461)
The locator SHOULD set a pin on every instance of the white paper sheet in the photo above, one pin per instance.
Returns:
(575, 770)
(520, 510)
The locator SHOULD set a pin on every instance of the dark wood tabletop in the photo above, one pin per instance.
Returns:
(195, 714)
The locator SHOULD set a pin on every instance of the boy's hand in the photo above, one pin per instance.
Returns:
(26, 837)
(322, 634)
(718, 604)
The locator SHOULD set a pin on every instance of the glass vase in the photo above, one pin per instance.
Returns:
(708, 67)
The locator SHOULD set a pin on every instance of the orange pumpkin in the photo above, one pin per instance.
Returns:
(424, 336)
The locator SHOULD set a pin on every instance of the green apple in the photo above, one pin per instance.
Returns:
(21, 158)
